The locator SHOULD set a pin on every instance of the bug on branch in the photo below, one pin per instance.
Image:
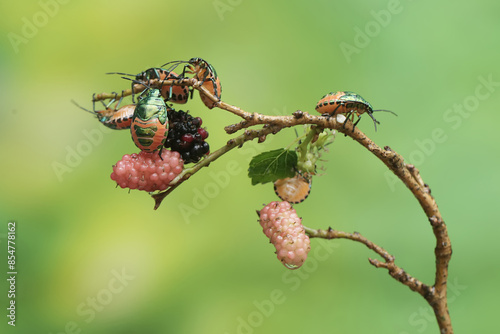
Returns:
(113, 118)
(204, 72)
(171, 93)
(348, 103)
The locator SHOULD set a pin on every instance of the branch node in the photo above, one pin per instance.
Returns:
(377, 264)
(435, 221)
(251, 117)
(298, 114)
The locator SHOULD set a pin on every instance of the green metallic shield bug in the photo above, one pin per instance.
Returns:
(150, 122)
(348, 103)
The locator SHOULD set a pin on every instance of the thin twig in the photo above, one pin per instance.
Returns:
(395, 271)
(138, 88)
(232, 143)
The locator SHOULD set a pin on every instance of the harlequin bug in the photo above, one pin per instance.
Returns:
(171, 93)
(205, 73)
(348, 103)
(117, 119)
(122, 118)
(293, 190)
(150, 121)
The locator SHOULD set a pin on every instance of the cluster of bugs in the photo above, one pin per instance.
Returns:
(147, 118)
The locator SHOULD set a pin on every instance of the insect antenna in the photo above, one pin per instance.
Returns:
(174, 64)
(375, 122)
(392, 112)
(79, 106)
(120, 73)
(136, 82)
(129, 75)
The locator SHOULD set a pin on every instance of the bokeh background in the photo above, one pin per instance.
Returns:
(92, 258)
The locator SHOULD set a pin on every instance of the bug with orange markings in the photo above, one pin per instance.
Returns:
(348, 103)
(171, 93)
(149, 126)
(293, 190)
(114, 118)
(205, 72)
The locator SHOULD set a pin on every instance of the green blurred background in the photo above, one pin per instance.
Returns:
(212, 270)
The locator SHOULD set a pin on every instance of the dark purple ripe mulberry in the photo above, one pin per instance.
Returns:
(186, 136)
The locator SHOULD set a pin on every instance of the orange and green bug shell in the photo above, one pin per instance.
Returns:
(206, 73)
(150, 122)
(293, 190)
(215, 89)
(120, 119)
(103, 115)
(343, 103)
(117, 119)
(176, 94)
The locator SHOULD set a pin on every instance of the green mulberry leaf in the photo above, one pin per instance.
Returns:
(273, 165)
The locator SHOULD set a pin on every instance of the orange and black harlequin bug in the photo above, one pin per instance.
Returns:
(114, 118)
(150, 121)
(171, 93)
(348, 103)
(293, 190)
(205, 73)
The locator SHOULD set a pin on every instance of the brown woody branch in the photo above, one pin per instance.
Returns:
(435, 295)
(138, 88)
(395, 271)
(410, 176)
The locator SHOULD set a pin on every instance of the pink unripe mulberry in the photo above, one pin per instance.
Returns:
(284, 229)
(147, 171)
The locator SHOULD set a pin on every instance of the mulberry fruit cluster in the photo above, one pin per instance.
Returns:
(186, 136)
(147, 171)
(284, 229)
